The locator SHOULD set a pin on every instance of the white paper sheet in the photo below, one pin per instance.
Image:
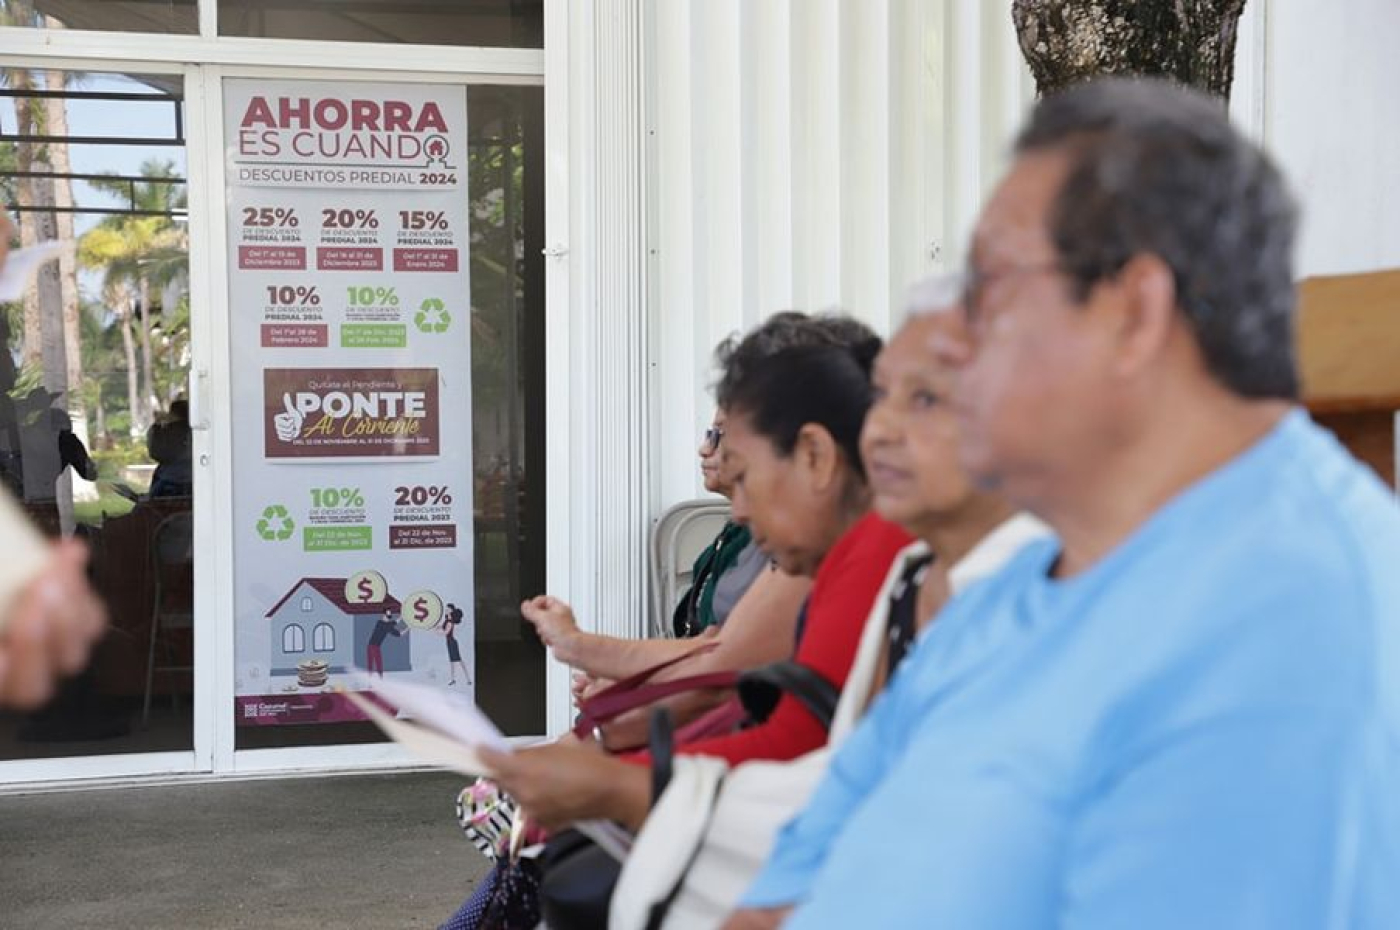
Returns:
(426, 744)
(448, 712)
(21, 265)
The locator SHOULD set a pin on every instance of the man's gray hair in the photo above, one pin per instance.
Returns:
(1157, 169)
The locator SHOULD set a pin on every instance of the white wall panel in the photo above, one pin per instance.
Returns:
(808, 154)
(815, 154)
(731, 158)
(1332, 118)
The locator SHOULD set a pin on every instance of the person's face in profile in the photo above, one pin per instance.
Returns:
(711, 452)
(910, 439)
(790, 502)
(1033, 364)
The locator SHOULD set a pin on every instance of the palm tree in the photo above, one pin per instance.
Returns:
(56, 118)
(52, 336)
(141, 257)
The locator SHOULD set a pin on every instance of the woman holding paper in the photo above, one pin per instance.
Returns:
(792, 442)
(762, 625)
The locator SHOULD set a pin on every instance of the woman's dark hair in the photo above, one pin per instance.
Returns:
(796, 369)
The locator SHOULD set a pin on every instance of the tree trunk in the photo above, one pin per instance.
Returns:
(133, 393)
(148, 378)
(57, 112)
(48, 292)
(27, 122)
(1068, 41)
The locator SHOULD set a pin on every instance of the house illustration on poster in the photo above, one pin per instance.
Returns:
(315, 622)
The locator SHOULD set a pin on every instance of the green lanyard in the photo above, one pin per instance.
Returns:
(718, 558)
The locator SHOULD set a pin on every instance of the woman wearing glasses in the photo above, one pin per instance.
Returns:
(750, 609)
(727, 566)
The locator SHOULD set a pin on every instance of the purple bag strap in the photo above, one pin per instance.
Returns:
(634, 692)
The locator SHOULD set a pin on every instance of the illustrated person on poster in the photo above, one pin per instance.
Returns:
(454, 652)
(388, 625)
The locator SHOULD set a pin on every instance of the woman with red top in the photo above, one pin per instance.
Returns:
(792, 449)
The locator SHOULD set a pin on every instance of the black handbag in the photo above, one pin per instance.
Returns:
(506, 899)
(578, 882)
(761, 688)
(579, 877)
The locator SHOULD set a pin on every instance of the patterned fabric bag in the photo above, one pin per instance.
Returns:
(508, 898)
(485, 814)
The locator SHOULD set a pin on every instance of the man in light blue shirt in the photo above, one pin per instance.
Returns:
(1185, 713)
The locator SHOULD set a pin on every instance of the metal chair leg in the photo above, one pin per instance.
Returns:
(151, 659)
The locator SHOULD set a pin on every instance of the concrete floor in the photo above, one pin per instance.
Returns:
(347, 852)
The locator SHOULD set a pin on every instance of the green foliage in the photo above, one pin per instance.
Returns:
(27, 378)
(140, 255)
(126, 452)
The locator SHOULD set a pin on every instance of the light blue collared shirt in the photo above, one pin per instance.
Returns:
(1200, 731)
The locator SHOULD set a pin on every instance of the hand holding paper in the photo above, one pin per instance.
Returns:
(450, 713)
(564, 783)
(451, 731)
(448, 728)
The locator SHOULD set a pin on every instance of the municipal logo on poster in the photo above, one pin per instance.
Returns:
(350, 412)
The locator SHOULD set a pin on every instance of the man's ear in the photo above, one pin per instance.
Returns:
(817, 454)
(1144, 294)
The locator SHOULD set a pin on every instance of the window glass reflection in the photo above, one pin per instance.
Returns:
(490, 23)
(167, 17)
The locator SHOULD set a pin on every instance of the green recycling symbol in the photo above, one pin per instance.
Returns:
(432, 316)
(276, 523)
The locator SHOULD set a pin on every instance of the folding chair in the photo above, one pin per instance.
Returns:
(680, 535)
(172, 550)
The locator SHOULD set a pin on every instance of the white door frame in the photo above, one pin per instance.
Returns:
(204, 62)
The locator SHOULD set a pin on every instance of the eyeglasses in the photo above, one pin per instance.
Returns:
(975, 284)
(710, 444)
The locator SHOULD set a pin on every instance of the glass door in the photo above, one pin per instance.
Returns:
(96, 433)
(152, 371)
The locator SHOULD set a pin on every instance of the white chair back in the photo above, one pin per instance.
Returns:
(678, 538)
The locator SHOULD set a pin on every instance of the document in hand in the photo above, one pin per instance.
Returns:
(446, 727)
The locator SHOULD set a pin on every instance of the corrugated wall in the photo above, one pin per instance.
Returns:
(814, 154)
(807, 154)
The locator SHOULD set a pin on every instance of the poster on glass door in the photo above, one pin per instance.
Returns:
(349, 319)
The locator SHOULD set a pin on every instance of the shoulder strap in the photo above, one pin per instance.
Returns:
(904, 602)
(661, 745)
(695, 611)
(656, 917)
(634, 692)
(760, 690)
